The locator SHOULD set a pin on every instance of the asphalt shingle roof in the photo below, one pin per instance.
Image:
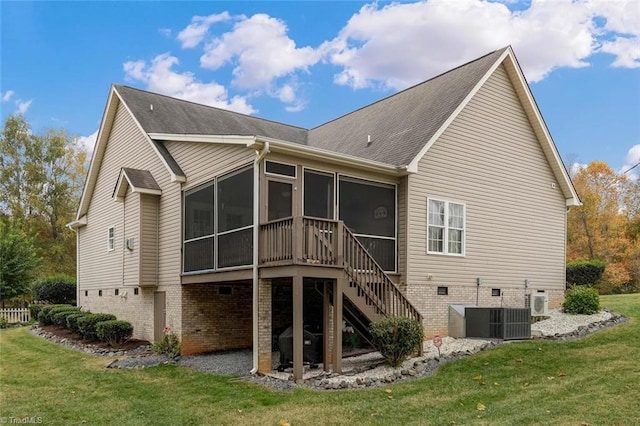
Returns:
(398, 126)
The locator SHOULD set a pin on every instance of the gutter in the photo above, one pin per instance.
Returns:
(256, 234)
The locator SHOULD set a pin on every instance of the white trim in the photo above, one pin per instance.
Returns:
(413, 165)
(111, 239)
(216, 139)
(446, 228)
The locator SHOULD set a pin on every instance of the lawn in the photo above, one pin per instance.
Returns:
(595, 380)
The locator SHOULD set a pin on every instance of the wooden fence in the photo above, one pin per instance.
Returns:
(16, 315)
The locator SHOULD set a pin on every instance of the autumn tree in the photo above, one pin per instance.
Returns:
(602, 228)
(41, 178)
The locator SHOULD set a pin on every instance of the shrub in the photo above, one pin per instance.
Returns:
(87, 324)
(581, 300)
(34, 310)
(72, 321)
(56, 289)
(3, 322)
(585, 272)
(60, 318)
(114, 331)
(396, 338)
(169, 345)
(44, 316)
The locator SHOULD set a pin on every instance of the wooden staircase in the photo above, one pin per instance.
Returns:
(329, 243)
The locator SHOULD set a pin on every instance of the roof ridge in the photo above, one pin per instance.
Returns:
(409, 88)
(173, 98)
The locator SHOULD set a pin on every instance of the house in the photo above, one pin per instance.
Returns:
(228, 228)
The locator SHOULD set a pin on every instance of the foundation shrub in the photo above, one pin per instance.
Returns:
(396, 338)
(581, 300)
(114, 331)
(88, 323)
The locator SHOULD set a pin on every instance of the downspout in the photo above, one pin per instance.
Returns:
(256, 234)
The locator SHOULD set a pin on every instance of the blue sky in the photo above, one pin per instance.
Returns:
(304, 63)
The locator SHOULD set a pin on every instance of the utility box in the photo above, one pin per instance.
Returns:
(498, 323)
(312, 347)
(457, 321)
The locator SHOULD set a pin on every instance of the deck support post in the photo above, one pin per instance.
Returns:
(337, 325)
(298, 367)
(326, 312)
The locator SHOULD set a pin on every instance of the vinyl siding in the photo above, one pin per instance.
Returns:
(131, 258)
(100, 269)
(203, 161)
(490, 159)
(148, 240)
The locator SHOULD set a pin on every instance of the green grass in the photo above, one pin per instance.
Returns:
(595, 380)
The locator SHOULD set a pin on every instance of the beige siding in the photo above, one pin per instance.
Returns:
(148, 239)
(203, 161)
(131, 230)
(489, 159)
(103, 270)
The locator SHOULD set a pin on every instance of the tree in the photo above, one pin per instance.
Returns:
(18, 261)
(41, 179)
(603, 227)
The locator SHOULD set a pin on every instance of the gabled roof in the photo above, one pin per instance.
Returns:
(390, 135)
(141, 181)
(395, 129)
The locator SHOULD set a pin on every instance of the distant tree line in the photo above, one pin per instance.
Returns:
(606, 228)
(41, 179)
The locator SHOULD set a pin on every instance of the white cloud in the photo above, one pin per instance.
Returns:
(401, 44)
(165, 32)
(196, 31)
(87, 143)
(6, 96)
(159, 76)
(261, 51)
(23, 106)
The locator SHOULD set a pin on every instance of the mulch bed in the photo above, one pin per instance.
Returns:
(67, 334)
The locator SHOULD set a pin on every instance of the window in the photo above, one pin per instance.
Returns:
(111, 238)
(280, 196)
(100, 293)
(318, 194)
(218, 223)
(135, 291)
(369, 210)
(443, 291)
(495, 292)
(280, 169)
(86, 293)
(116, 292)
(446, 227)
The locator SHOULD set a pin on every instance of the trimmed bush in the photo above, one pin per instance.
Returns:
(581, 300)
(60, 318)
(87, 324)
(72, 321)
(114, 331)
(44, 316)
(34, 310)
(585, 272)
(56, 289)
(396, 338)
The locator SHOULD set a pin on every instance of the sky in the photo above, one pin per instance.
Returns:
(307, 62)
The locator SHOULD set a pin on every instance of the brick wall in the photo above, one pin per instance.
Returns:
(216, 317)
(138, 308)
(435, 308)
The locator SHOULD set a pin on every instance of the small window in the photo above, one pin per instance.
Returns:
(443, 291)
(100, 293)
(495, 292)
(111, 238)
(280, 169)
(86, 292)
(445, 227)
(135, 291)
(116, 292)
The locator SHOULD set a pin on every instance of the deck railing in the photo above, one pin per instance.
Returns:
(313, 241)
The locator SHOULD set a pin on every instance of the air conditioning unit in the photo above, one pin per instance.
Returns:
(539, 304)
